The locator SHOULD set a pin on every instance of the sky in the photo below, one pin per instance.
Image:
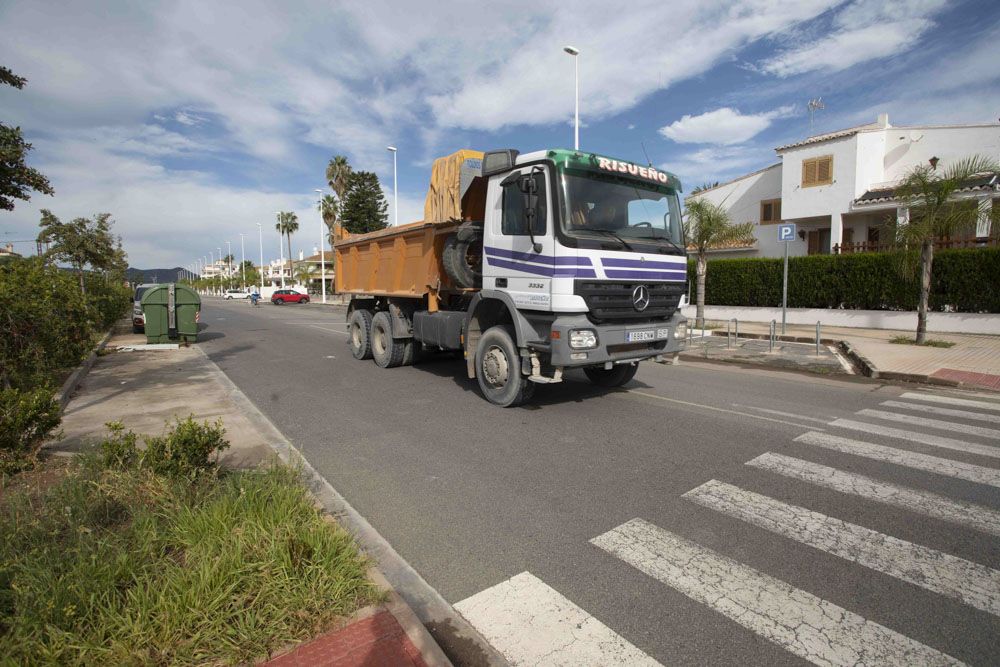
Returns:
(192, 122)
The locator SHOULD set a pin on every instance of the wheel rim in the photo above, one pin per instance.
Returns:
(378, 341)
(496, 367)
(356, 336)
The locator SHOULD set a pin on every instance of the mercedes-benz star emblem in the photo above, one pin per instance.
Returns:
(640, 298)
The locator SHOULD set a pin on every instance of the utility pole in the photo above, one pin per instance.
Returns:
(260, 240)
(322, 243)
(575, 52)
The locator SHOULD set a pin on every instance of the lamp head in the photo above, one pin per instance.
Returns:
(572, 50)
(391, 148)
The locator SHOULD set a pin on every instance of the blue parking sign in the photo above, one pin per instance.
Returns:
(786, 232)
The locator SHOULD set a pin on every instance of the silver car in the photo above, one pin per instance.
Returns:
(138, 318)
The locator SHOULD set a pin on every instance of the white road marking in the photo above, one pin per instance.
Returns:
(712, 407)
(916, 436)
(798, 621)
(965, 393)
(530, 623)
(949, 400)
(782, 414)
(902, 457)
(939, 424)
(922, 502)
(947, 412)
(316, 326)
(974, 584)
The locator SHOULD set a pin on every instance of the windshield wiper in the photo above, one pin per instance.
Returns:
(672, 244)
(612, 234)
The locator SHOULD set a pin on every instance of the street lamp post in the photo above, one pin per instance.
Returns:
(575, 52)
(322, 245)
(221, 264)
(243, 261)
(260, 241)
(395, 189)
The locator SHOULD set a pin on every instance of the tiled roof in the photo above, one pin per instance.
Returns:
(829, 135)
(979, 182)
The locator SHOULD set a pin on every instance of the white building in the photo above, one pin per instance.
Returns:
(219, 268)
(838, 187)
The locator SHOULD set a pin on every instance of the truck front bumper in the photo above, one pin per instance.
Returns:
(615, 343)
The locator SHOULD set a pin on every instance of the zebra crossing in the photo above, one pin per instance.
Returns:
(944, 432)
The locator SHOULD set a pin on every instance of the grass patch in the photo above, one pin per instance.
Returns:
(906, 340)
(124, 565)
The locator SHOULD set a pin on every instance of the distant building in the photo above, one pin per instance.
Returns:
(838, 188)
(7, 252)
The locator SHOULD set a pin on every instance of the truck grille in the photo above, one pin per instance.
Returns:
(611, 301)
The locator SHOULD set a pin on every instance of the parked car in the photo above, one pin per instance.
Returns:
(283, 296)
(138, 318)
(236, 294)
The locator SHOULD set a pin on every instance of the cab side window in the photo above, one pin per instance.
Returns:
(513, 222)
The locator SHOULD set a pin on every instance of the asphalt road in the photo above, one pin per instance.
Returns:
(473, 496)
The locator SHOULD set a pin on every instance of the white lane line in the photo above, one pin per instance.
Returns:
(915, 436)
(965, 393)
(949, 400)
(530, 623)
(798, 621)
(316, 326)
(922, 502)
(712, 407)
(947, 412)
(939, 424)
(782, 414)
(974, 584)
(902, 457)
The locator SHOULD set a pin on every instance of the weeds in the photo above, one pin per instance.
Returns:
(906, 340)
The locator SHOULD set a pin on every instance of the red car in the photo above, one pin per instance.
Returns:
(283, 296)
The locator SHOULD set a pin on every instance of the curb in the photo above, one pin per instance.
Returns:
(73, 381)
(437, 624)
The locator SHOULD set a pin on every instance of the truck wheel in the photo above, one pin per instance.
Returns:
(462, 260)
(498, 368)
(386, 350)
(359, 329)
(618, 375)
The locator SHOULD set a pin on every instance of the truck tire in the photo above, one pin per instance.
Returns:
(387, 352)
(498, 368)
(359, 330)
(618, 375)
(462, 259)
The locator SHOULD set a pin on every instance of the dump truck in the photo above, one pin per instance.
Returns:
(528, 265)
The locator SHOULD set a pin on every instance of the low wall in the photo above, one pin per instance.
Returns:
(968, 323)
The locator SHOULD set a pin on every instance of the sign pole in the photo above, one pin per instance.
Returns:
(784, 291)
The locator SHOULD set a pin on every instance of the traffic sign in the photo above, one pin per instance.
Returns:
(786, 231)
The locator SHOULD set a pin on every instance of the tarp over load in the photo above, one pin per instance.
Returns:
(452, 181)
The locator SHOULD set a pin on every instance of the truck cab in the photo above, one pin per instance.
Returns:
(589, 252)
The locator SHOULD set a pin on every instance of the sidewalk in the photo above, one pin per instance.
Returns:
(146, 389)
(974, 360)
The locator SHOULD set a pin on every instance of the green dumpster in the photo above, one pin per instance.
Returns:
(172, 312)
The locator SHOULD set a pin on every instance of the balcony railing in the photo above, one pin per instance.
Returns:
(939, 244)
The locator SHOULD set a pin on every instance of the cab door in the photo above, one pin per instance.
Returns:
(521, 267)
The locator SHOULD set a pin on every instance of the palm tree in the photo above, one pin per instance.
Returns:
(338, 175)
(708, 226)
(928, 193)
(329, 208)
(288, 224)
(304, 274)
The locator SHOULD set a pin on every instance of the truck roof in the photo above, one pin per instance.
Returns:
(596, 162)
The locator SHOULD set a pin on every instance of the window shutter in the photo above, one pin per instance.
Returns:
(823, 168)
(777, 211)
(808, 172)
(766, 212)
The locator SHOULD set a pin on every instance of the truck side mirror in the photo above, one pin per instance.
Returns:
(529, 190)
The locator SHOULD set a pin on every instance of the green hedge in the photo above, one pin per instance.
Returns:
(966, 280)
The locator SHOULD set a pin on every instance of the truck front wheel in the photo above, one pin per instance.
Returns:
(616, 377)
(359, 330)
(498, 368)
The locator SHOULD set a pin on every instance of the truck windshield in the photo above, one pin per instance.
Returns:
(605, 206)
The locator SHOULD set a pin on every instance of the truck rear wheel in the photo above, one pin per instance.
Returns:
(387, 351)
(616, 377)
(498, 368)
(359, 331)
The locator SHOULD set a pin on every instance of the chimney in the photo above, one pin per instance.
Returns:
(882, 120)
(315, 250)
(300, 256)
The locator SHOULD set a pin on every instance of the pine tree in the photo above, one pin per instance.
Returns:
(364, 208)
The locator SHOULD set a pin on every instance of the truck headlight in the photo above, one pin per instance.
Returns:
(582, 339)
(681, 331)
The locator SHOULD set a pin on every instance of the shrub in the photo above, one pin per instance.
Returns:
(27, 418)
(963, 280)
(109, 300)
(186, 450)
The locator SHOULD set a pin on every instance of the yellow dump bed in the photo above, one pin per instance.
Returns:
(405, 261)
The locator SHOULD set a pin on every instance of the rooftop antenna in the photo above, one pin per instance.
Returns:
(648, 161)
(814, 106)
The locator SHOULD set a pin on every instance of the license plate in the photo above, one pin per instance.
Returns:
(663, 333)
(636, 336)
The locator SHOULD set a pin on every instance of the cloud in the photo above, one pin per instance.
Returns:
(723, 126)
(717, 163)
(863, 30)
